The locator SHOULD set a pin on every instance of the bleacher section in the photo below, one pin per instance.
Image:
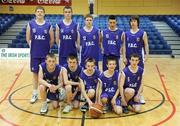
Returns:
(157, 43)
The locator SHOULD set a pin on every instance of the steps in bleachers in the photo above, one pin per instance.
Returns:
(169, 35)
(12, 33)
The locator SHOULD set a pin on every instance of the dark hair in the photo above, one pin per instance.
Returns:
(112, 17)
(111, 58)
(90, 60)
(134, 17)
(88, 16)
(134, 55)
(51, 55)
(72, 56)
(67, 7)
(40, 7)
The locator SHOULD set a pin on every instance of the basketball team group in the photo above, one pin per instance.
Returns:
(76, 77)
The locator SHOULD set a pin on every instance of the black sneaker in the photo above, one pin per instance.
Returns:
(125, 109)
(84, 108)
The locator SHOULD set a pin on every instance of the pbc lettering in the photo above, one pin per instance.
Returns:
(39, 37)
(132, 45)
(110, 90)
(111, 42)
(90, 43)
(133, 85)
(67, 37)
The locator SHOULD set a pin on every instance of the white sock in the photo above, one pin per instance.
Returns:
(35, 92)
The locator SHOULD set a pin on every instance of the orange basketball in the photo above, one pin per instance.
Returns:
(96, 110)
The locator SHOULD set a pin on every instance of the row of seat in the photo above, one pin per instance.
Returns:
(156, 41)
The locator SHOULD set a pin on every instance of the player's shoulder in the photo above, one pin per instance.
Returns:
(140, 69)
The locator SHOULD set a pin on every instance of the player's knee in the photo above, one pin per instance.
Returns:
(68, 88)
(91, 93)
(42, 88)
(104, 100)
(129, 92)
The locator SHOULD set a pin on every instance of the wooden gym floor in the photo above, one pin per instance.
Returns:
(161, 91)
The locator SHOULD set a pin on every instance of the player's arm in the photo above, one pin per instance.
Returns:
(100, 91)
(100, 39)
(141, 86)
(41, 80)
(146, 45)
(121, 89)
(60, 80)
(65, 78)
(84, 92)
(51, 33)
(124, 48)
(113, 101)
(28, 35)
(78, 41)
(57, 35)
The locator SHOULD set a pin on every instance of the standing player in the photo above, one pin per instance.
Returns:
(131, 85)
(66, 36)
(71, 73)
(109, 87)
(112, 42)
(89, 38)
(50, 80)
(40, 37)
(89, 79)
(136, 41)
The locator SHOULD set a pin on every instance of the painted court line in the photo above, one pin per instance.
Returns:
(7, 93)
(161, 76)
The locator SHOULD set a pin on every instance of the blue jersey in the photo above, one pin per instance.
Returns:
(73, 75)
(110, 84)
(90, 82)
(134, 43)
(68, 38)
(89, 42)
(133, 80)
(112, 42)
(50, 77)
(40, 39)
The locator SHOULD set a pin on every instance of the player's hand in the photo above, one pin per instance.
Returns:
(137, 98)
(113, 101)
(145, 58)
(90, 103)
(124, 103)
(124, 61)
(52, 88)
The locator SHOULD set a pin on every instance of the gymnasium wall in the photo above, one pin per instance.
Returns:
(140, 7)
(120, 7)
(79, 7)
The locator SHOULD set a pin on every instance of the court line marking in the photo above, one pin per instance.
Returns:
(63, 117)
(161, 76)
(8, 92)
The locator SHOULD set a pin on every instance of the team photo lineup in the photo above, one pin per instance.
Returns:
(89, 62)
(75, 76)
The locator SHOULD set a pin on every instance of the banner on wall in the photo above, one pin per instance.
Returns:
(36, 2)
(14, 53)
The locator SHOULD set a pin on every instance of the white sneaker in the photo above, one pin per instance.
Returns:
(34, 98)
(44, 108)
(142, 101)
(67, 109)
(48, 100)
